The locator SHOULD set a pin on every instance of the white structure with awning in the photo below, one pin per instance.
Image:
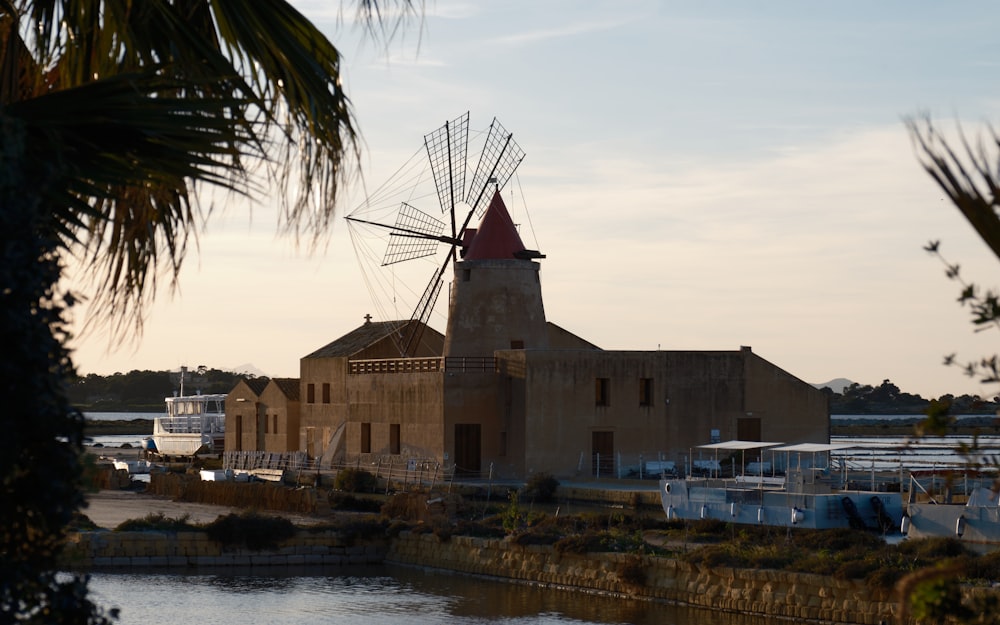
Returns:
(738, 445)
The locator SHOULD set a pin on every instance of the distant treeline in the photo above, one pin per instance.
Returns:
(144, 391)
(887, 399)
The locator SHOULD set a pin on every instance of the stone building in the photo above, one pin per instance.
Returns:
(506, 392)
(263, 415)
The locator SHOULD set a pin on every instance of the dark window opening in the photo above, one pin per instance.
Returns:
(366, 438)
(310, 393)
(602, 388)
(645, 391)
(326, 392)
(394, 446)
(517, 344)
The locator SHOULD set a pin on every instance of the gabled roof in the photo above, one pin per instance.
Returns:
(359, 338)
(256, 385)
(289, 387)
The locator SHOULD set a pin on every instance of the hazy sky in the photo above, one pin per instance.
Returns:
(701, 176)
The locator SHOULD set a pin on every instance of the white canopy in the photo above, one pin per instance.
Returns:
(738, 445)
(815, 447)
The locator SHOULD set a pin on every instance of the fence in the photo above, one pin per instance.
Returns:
(399, 473)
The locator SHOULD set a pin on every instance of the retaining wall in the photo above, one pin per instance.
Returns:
(87, 550)
(771, 593)
(774, 593)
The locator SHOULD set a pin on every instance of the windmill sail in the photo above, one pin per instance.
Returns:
(416, 235)
(500, 157)
(446, 149)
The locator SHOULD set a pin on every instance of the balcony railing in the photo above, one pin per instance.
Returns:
(454, 364)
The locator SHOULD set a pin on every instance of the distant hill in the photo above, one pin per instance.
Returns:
(247, 369)
(837, 385)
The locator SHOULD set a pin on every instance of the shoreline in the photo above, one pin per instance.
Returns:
(143, 427)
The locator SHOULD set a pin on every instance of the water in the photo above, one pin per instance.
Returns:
(371, 595)
(123, 416)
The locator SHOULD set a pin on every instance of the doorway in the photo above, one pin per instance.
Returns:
(602, 453)
(468, 449)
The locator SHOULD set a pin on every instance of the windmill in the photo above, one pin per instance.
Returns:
(418, 234)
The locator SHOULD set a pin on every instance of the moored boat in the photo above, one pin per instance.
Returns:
(976, 522)
(193, 424)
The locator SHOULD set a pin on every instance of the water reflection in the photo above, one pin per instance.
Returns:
(310, 596)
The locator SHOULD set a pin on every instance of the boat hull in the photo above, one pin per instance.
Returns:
(970, 524)
(703, 499)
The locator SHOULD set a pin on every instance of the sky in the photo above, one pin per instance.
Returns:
(700, 176)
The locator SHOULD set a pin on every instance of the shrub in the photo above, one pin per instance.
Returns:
(541, 487)
(340, 501)
(253, 530)
(632, 571)
(577, 543)
(355, 480)
(156, 522)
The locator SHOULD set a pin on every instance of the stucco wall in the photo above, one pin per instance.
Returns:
(694, 394)
(412, 400)
(276, 404)
(242, 418)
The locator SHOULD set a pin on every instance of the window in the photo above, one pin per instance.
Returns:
(517, 344)
(645, 391)
(275, 428)
(326, 392)
(310, 393)
(265, 423)
(366, 438)
(602, 388)
(394, 438)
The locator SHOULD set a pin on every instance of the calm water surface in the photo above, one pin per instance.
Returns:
(370, 595)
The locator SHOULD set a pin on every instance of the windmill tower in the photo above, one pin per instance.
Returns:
(496, 296)
(495, 300)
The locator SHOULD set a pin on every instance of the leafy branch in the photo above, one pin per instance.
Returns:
(985, 309)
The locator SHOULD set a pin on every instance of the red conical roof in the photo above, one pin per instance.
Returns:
(496, 237)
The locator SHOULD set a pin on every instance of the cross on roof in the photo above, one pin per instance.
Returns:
(368, 318)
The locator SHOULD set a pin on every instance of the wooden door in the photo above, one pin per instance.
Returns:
(468, 448)
(602, 453)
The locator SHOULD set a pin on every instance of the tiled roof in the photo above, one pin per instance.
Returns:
(358, 339)
(289, 387)
(256, 385)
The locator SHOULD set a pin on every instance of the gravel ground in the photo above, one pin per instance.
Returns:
(110, 508)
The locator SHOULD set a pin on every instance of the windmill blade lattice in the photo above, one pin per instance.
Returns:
(416, 235)
(500, 157)
(446, 149)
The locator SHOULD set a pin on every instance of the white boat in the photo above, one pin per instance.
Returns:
(193, 424)
(796, 498)
(134, 467)
(976, 522)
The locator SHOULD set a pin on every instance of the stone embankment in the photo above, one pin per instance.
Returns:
(764, 592)
(772, 593)
(103, 549)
